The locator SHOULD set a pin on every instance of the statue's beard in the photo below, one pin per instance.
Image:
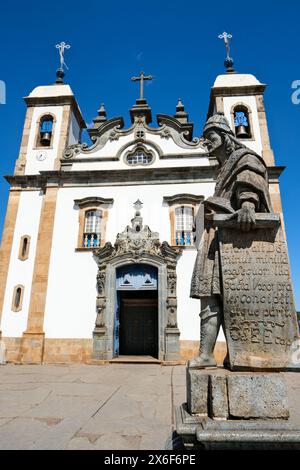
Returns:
(213, 149)
(217, 152)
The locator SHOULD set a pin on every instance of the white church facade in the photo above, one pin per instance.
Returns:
(100, 239)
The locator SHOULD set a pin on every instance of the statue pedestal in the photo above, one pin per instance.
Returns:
(258, 305)
(229, 410)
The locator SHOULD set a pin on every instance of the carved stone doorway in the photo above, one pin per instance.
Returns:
(136, 246)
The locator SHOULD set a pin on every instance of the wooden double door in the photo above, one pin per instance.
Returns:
(139, 324)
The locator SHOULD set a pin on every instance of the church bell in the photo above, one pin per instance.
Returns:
(242, 132)
(46, 138)
(241, 124)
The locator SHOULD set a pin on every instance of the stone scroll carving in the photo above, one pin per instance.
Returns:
(113, 129)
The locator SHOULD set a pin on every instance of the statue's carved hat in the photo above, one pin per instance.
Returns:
(217, 122)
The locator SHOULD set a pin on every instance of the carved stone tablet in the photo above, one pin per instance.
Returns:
(257, 396)
(259, 311)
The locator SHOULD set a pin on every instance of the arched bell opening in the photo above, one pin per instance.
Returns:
(242, 124)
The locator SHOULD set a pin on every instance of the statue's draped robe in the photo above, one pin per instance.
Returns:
(243, 177)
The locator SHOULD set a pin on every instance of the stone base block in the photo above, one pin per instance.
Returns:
(197, 391)
(257, 396)
(224, 394)
(218, 404)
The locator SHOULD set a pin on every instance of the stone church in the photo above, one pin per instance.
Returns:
(100, 239)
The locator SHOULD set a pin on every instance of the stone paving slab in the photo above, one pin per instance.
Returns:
(20, 433)
(81, 389)
(30, 397)
(112, 407)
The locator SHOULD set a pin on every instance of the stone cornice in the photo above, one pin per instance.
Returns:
(87, 201)
(129, 177)
(274, 172)
(139, 176)
(183, 199)
(57, 101)
(239, 90)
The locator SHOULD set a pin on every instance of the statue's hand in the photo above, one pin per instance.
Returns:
(246, 217)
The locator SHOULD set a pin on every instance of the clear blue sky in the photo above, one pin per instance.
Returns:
(177, 43)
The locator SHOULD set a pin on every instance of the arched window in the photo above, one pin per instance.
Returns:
(241, 122)
(17, 298)
(92, 218)
(24, 247)
(92, 229)
(184, 220)
(45, 131)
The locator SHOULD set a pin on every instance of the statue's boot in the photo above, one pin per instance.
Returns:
(210, 325)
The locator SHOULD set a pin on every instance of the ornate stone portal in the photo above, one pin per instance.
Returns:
(137, 244)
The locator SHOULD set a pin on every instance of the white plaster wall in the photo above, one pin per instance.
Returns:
(20, 272)
(168, 146)
(157, 163)
(33, 165)
(187, 308)
(250, 101)
(74, 131)
(70, 304)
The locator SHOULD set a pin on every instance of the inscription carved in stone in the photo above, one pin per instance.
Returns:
(259, 311)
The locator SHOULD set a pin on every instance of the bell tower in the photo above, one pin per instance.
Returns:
(240, 98)
(53, 121)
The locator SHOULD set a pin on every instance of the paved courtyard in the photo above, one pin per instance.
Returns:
(112, 407)
(118, 406)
